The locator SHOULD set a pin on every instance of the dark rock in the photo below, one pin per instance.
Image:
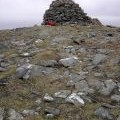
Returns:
(110, 34)
(95, 21)
(3, 82)
(41, 70)
(78, 76)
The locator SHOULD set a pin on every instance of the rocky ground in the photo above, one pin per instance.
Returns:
(63, 72)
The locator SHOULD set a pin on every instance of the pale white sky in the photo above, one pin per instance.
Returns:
(19, 13)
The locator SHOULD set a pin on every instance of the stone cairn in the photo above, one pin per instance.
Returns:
(67, 12)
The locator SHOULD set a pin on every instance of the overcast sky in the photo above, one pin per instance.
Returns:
(19, 13)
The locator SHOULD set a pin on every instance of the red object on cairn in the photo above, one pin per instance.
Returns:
(50, 23)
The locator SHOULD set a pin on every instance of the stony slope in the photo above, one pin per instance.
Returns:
(62, 72)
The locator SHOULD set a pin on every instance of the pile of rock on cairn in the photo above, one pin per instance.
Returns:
(67, 12)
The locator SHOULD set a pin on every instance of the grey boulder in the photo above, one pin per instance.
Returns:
(109, 86)
(115, 98)
(98, 58)
(103, 113)
(13, 115)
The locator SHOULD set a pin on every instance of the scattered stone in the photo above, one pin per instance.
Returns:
(38, 101)
(25, 55)
(103, 113)
(49, 116)
(82, 86)
(53, 111)
(69, 62)
(49, 63)
(38, 41)
(48, 98)
(118, 117)
(1, 113)
(98, 74)
(98, 58)
(91, 35)
(29, 113)
(95, 84)
(75, 99)
(70, 49)
(40, 70)
(3, 82)
(115, 98)
(2, 69)
(103, 51)
(115, 61)
(70, 83)
(76, 77)
(18, 43)
(62, 93)
(1, 57)
(109, 86)
(23, 72)
(13, 115)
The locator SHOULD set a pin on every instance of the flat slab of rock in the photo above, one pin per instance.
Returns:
(78, 76)
(48, 98)
(62, 93)
(29, 113)
(69, 62)
(98, 58)
(75, 99)
(82, 86)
